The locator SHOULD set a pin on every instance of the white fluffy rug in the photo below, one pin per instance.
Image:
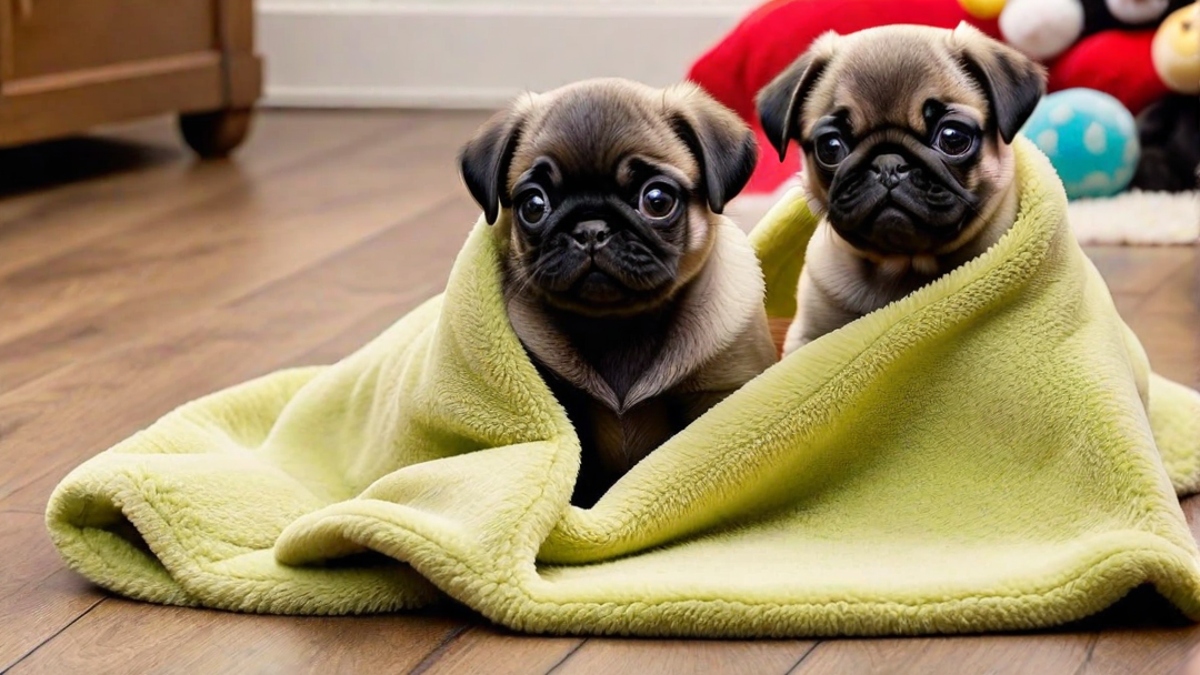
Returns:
(1134, 218)
(1138, 217)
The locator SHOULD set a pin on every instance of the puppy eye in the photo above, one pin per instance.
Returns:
(658, 200)
(954, 139)
(533, 206)
(831, 149)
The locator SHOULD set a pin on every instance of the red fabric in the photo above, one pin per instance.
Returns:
(772, 36)
(769, 174)
(1114, 62)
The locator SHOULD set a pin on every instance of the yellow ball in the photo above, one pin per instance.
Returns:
(1176, 50)
(983, 9)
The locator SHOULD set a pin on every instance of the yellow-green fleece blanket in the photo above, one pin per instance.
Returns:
(990, 453)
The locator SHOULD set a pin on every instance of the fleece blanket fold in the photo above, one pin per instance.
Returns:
(990, 453)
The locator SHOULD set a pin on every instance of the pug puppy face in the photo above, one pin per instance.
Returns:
(905, 132)
(610, 187)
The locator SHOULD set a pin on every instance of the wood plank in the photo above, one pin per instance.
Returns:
(1166, 317)
(1181, 292)
(621, 656)
(992, 654)
(334, 169)
(1149, 650)
(122, 637)
(1139, 269)
(141, 175)
(38, 596)
(70, 307)
(1192, 665)
(1172, 342)
(485, 649)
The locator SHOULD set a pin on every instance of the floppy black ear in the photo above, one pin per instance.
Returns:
(485, 159)
(719, 140)
(1011, 81)
(779, 102)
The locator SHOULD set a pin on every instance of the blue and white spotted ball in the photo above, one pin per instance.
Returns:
(1090, 139)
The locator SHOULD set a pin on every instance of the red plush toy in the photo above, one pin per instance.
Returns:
(765, 42)
(1115, 62)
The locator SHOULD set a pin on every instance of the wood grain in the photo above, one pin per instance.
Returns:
(144, 179)
(237, 239)
(38, 596)
(133, 279)
(484, 649)
(122, 637)
(993, 654)
(60, 36)
(702, 657)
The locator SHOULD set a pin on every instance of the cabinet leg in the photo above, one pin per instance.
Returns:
(215, 134)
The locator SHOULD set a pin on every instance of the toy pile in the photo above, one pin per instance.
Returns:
(1124, 107)
(1110, 60)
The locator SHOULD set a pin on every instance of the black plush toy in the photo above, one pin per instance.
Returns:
(1169, 132)
(1101, 15)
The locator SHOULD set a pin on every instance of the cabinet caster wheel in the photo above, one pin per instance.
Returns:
(215, 134)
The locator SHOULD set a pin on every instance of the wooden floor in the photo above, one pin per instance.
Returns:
(133, 279)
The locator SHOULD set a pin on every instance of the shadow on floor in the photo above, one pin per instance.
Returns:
(1143, 608)
(49, 164)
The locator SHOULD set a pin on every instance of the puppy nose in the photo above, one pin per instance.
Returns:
(591, 234)
(892, 169)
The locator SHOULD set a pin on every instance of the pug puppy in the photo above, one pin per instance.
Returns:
(905, 132)
(640, 304)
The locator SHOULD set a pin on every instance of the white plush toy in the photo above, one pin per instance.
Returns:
(1042, 29)
(1135, 12)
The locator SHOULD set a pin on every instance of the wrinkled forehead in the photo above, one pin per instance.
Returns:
(597, 135)
(887, 83)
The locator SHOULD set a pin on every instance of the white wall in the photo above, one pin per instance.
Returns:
(467, 53)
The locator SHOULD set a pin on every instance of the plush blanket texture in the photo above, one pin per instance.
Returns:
(990, 453)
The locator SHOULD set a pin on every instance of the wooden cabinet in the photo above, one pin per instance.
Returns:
(67, 65)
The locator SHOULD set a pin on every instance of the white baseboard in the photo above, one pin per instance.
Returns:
(455, 54)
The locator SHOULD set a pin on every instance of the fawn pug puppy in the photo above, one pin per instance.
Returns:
(905, 132)
(640, 304)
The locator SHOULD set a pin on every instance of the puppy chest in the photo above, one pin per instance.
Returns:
(615, 442)
(623, 440)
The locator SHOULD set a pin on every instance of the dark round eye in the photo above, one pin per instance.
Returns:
(954, 139)
(533, 206)
(658, 200)
(831, 149)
